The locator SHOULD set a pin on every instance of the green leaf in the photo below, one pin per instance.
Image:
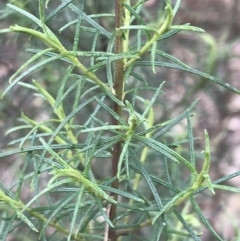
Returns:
(159, 147)
(13, 142)
(153, 56)
(35, 128)
(139, 27)
(227, 188)
(85, 218)
(110, 111)
(152, 129)
(93, 49)
(27, 221)
(157, 231)
(28, 86)
(127, 73)
(105, 127)
(97, 26)
(152, 101)
(109, 73)
(35, 57)
(60, 93)
(24, 168)
(186, 226)
(166, 172)
(8, 227)
(187, 28)
(135, 15)
(170, 124)
(140, 78)
(42, 148)
(190, 70)
(89, 155)
(57, 10)
(7, 30)
(92, 53)
(108, 145)
(104, 215)
(139, 88)
(139, 39)
(78, 27)
(204, 220)
(97, 15)
(75, 212)
(182, 234)
(30, 70)
(41, 12)
(54, 185)
(17, 128)
(172, 58)
(121, 193)
(170, 33)
(191, 143)
(147, 178)
(176, 7)
(123, 155)
(25, 13)
(56, 209)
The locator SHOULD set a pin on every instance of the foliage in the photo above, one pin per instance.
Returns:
(121, 131)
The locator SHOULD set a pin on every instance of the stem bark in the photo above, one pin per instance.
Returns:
(119, 92)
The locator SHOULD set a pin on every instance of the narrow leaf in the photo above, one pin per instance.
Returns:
(122, 193)
(186, 226)
(147, 178)
(139, 27)
(35, 57)
(106, 127)
(190, 70)
(79, 21)
(57, 209)
(7, 30)
(227, 188)
(176, 7)
(135, 15)
(91, 21)
(152, 101)
(52, 186)
(57, 10)
(140, 78)
(75, 212)
(109, 110)
(157, 231)
(172, 58)
(60, 93)
(153, 56)
(188, 28)
(109, 73)
(122, 155)
(191, 143)
(27, 221)
(104, 215)
(30, 70)
(204, 220)
(25, 13)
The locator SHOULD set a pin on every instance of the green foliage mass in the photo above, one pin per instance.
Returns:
(99, 117)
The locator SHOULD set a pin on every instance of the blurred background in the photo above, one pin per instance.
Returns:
(216, 52)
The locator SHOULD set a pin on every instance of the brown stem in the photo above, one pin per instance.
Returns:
(119, 90)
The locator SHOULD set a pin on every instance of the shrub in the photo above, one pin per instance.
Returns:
(103, 116)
